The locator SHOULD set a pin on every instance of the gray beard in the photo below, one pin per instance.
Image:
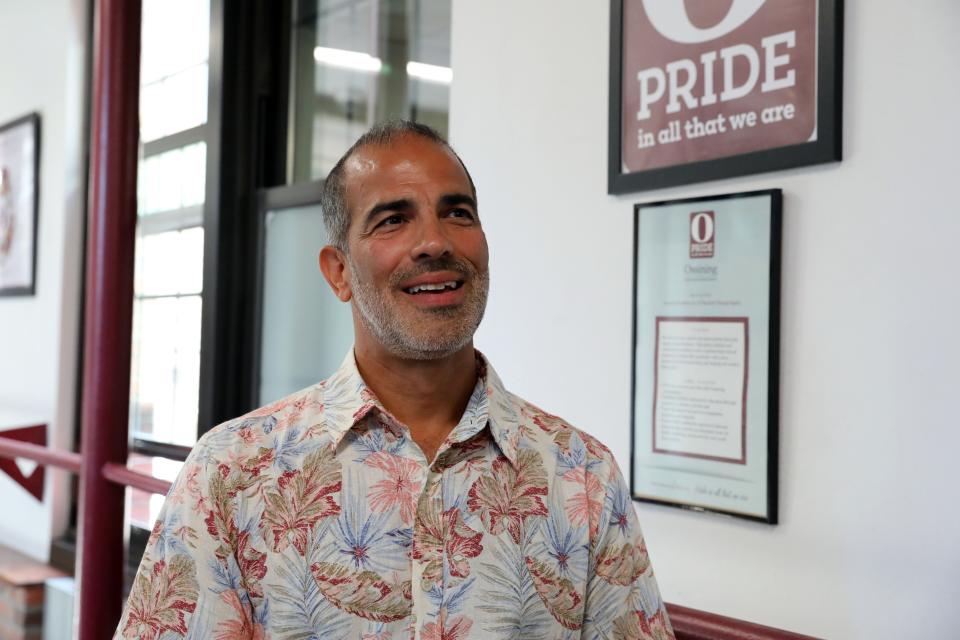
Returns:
(401, 337)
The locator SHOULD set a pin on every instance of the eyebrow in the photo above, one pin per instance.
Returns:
(448, 200)
(453, 199)
(393, 205)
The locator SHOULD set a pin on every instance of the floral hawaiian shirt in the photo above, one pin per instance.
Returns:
(319, 517)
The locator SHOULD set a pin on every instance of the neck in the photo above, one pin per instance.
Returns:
(429, 396)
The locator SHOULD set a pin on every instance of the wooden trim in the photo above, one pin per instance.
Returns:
(693, 624)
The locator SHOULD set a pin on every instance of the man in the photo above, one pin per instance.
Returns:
(409, 495)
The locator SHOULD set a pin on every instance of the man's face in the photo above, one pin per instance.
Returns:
(417, 260)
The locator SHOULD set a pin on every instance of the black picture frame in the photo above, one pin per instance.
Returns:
(771, 473)
(30, 122)
(827, 148)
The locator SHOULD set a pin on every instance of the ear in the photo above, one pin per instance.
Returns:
(333, 264)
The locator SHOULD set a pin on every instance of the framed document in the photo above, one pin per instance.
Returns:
(19, 180)
(707, 90)
(706, 324)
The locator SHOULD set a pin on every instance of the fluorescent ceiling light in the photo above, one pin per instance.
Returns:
(347, 59)
(430, 72)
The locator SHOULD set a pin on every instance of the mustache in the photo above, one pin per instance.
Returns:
(442, 263)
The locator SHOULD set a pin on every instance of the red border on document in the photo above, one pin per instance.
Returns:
(746, 371)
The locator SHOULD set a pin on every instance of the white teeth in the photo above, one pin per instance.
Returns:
(440, 286)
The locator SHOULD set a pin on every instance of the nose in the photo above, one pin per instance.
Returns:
(431, 240)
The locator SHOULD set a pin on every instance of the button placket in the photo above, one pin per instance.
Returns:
(443, 546)
(421, 603)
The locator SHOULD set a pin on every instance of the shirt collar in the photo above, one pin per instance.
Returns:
(347, 400)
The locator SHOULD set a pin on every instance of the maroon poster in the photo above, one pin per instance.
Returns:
(702, 80)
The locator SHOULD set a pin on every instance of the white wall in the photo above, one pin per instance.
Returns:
(42, 45)
(868, 541)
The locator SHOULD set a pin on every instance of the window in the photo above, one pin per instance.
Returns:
(363, 61)
(168, 281)
(168, 276)
(356, 62)
(305, 78)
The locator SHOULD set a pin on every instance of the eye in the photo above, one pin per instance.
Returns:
(391, 221)
(461, 213)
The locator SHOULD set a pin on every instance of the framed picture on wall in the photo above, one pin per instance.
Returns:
(19, 189)
(707, 90)
(706, 326)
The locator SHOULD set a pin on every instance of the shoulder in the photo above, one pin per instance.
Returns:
(261, 428)
(570, 446)
(252, 449)
(587, 484)
(523, 425)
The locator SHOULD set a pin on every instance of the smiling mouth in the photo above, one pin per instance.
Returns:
(451, 285)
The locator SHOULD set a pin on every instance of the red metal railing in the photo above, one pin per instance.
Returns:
(111, 235)
(121, 475)
(10, 448)
(70, 461)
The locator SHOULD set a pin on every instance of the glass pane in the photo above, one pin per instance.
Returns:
(363, 61)
(168, 277)
(429, 67)
(304, 336)
(176, 35)
(193, 174)
(156, 274)
(174, 103)
(145, 507)
(174, 179)
(164, 377)
(173, 66)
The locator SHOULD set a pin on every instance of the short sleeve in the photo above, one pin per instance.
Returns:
(622, 597)
(188, 579)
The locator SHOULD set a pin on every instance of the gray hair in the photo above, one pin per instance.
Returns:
(336, 216)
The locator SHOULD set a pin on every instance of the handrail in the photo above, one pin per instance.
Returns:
(70, 461)
(693, 624)
(10, 448)
(119, 474)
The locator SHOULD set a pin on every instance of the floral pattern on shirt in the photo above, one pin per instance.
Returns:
(319, 517)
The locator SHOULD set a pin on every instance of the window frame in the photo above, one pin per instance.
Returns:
(249, 171)
(180, 219)
(246, 152)
(298, 194)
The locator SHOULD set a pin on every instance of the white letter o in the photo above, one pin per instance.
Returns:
(670, 18)
(707, 234)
